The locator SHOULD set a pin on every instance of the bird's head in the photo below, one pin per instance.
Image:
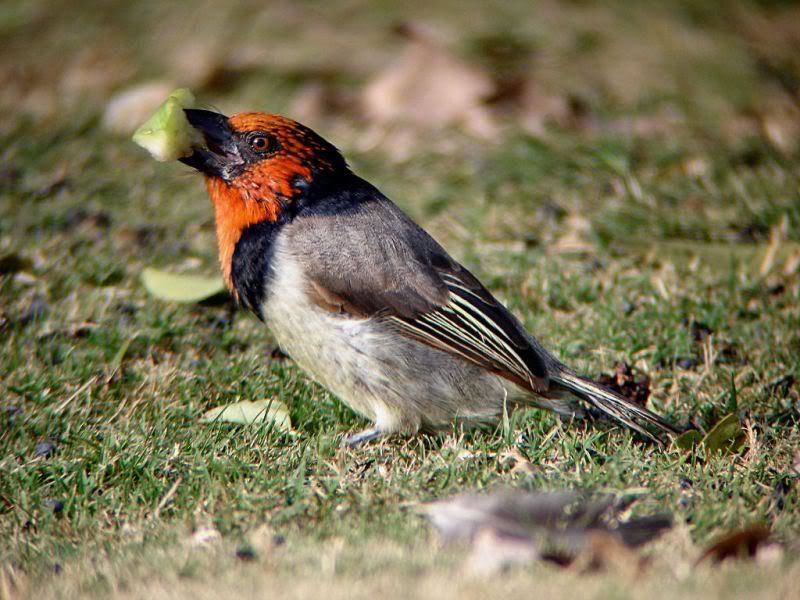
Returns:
(258, 167)
(261, 157)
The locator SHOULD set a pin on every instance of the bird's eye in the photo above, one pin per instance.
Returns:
(259, 142)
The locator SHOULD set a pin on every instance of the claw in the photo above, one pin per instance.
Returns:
(362, 437)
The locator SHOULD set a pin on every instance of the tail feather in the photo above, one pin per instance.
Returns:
(613, 404)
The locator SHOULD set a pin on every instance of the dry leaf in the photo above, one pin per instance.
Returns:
(181, 288)
(510, 527)
(743, 543)
(519, 464)
(247, 413)
(459, 518)
(605, 551)
(430, 88)
(624, 383)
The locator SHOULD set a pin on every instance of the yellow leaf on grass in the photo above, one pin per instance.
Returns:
(247, 413)
(181, 288)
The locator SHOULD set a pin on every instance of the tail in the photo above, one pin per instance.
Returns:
(612, 404)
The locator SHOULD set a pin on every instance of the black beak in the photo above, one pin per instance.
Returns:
(221, 156)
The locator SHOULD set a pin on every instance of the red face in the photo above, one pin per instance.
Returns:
(256, 165)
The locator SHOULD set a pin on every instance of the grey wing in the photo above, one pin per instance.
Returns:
(373, 261)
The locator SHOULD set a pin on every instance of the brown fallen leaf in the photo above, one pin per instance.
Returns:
(605, 551)
(624, 383)
(743, 543)
(459, 518)
(509, 528)
(429, 87)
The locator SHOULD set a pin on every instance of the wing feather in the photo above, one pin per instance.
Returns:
(474, 325)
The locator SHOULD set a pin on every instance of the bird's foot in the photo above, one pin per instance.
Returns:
(362, 437)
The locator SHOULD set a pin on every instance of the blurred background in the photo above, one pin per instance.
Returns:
(523, 96)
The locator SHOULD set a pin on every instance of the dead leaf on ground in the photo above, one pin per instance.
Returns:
(512, 527)
(258, 543)
(248, 413)
(518, 463)
(181, 287)
(605, 551)
(743, 543)
(626, 385)
(431, 88)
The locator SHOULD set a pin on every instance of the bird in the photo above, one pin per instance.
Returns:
(363, 299)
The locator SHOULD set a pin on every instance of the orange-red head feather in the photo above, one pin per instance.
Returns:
(257, 165)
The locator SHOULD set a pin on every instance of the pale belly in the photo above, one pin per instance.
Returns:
(398, 383)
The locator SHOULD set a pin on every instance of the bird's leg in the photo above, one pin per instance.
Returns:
(362, 437)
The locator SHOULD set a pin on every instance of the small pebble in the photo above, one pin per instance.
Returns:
(44, 449)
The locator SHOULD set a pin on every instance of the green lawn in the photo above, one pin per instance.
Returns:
(655, 221)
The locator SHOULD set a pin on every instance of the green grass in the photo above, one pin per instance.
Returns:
(674, 227)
